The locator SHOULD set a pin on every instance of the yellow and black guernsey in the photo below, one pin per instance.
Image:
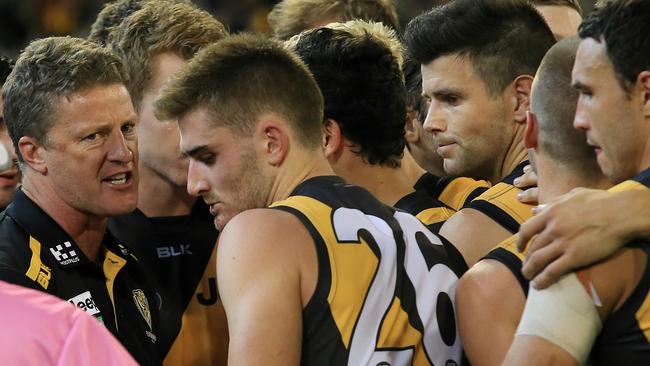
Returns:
(386, 284)
(500, 202)
(625, 336)
(178, 253)
(426, 201)
(36, 252)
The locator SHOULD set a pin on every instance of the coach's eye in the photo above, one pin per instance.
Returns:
(92, 137)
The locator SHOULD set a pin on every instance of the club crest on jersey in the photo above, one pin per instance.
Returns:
(143, 305)
(64, 254)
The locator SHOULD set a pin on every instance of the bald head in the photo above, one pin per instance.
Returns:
(553, 101)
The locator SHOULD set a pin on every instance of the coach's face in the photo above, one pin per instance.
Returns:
(224, 168)
(471, 129)
(90, 152)
(612, 118)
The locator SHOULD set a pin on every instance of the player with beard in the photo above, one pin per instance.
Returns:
(478, 60)
(492, 294)
(328, 274)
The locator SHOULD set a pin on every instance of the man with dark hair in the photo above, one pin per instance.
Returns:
(171, 231)
(290, 17)
(347, 276)
(9, 174)
(453, 192)
(603, 306)
(73, 125)
(478, 60)
(491, 295)
(562, 16)
(365, 115)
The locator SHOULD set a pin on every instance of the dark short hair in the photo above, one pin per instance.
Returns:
(553, 100)
(46, 70)
(241, 77)
(624, 26)
(363, 87)
(290, 17)
(574, 4)
(158, 28)
(502, 38)
(413, 80)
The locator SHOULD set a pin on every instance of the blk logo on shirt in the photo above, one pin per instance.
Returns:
(174, 251)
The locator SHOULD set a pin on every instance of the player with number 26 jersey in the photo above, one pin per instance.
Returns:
(386, 284)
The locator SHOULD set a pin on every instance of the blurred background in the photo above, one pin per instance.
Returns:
(24, 20)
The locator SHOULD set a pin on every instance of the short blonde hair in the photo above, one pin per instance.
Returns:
(161, 27)
(290, 17)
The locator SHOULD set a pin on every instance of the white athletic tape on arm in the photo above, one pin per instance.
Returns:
(563, 314)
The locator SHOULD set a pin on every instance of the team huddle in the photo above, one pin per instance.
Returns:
(469, 190)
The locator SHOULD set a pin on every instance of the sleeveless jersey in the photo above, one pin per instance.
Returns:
(500, 202)
(625, 336)
(179, 254)
(436, 199)
(386, 285)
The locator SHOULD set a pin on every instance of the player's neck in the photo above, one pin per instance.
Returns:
(388, 184)
(410, 167)
(555, 179)
(158, 197)
(297, 168)
(645, 158)
(514, 155)
(87, 231)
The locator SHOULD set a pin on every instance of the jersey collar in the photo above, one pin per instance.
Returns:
(55, 241)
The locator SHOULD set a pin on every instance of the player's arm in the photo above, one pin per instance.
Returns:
(537, 351)
(560, 323)
(489, 302)
(577, 230)
(473, 234)
(260, 257)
